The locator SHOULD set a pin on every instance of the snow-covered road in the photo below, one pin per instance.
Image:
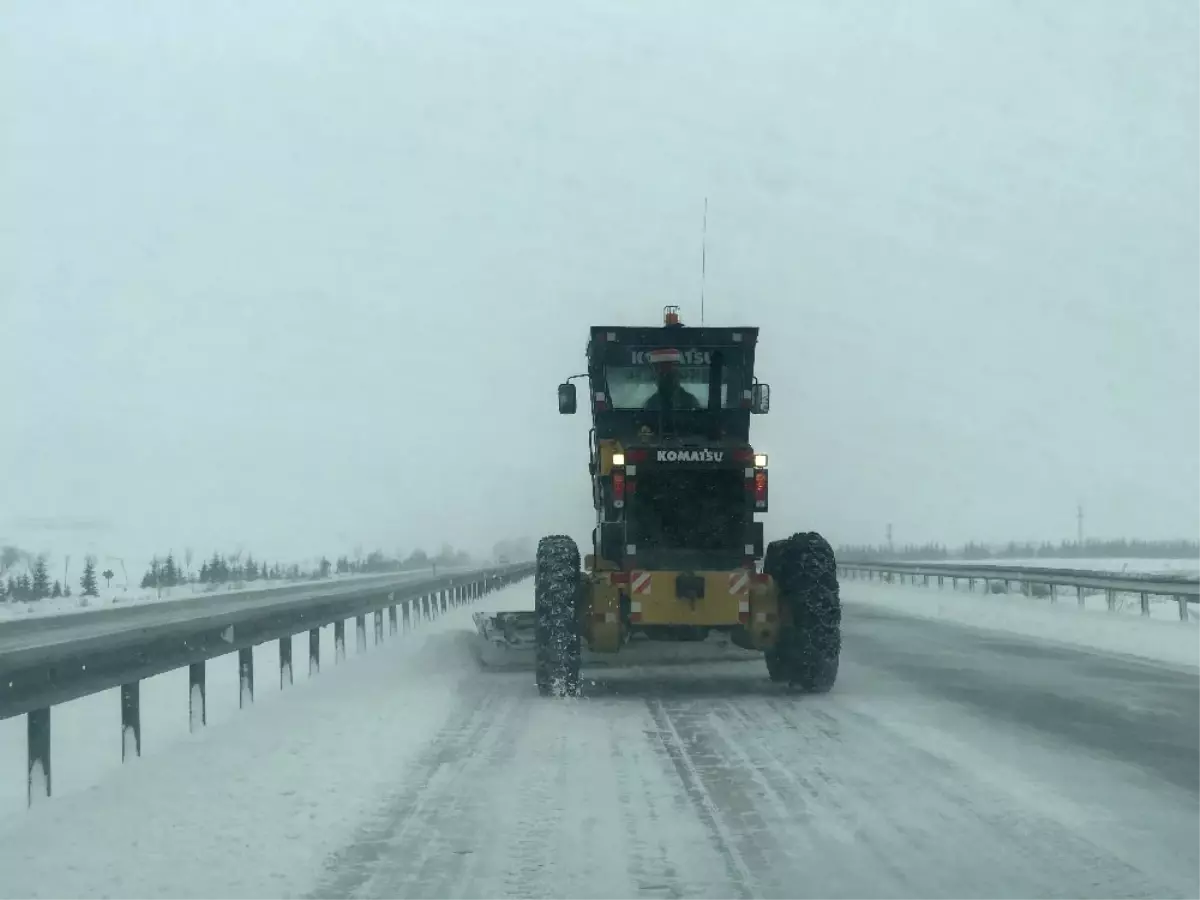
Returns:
(948, 762)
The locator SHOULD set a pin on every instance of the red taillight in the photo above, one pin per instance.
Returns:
(618, 487)
(760, 488)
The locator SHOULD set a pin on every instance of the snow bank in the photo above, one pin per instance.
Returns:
(249, 806)
(1163, 638)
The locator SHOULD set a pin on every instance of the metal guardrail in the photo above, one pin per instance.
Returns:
(52, 660)
(1036, 581)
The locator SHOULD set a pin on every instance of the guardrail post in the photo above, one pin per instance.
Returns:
(941, 582)
(1053, 593)
(1145, 604)
(379, 626)
(360, 632)
(339, 640)
(285, 661)
(971, 585)
(131, 720)
(37, 775)
(314, 652)
(406, 615)
(1079, 593)
(197, 713)
(392, 626)
(1183, 612)
(1110, 599)
(245, 677)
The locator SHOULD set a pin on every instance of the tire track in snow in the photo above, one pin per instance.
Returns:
(398, 839)
(723, 839)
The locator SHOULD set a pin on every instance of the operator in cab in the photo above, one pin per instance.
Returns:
(670, 393)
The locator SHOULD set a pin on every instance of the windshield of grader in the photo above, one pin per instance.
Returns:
(635, 386)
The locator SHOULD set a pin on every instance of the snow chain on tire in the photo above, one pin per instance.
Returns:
(556, 635)
(805, 570)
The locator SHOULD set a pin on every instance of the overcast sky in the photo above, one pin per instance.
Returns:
(304, 275)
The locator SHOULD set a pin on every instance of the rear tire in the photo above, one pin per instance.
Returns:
(805, 571)
(556, 632)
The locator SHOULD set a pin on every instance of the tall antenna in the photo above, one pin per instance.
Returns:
(703, 259)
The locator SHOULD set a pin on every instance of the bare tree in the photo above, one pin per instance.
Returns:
(9, 557)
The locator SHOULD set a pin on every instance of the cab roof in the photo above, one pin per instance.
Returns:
(675, 335)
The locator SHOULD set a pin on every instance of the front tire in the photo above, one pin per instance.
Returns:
(805, 571)
(556, 632)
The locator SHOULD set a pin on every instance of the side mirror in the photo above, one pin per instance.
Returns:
(566, 399)
(760, 399)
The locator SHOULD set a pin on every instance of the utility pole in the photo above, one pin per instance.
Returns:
(1079, 520)
(891, 548)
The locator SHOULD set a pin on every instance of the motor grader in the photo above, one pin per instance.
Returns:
(677, 550)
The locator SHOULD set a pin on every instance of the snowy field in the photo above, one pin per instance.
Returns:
(119, 597)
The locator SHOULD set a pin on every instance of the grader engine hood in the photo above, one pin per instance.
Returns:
(688, 506)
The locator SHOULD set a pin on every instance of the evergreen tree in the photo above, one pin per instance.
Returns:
(24, 587)
(88, 580)
(250, 569)
(56, 591)
(41, 579)
(170, 573)
(153, 576)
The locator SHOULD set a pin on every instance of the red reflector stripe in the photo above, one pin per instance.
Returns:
(743, 455)
(618, 578)
(635, 456)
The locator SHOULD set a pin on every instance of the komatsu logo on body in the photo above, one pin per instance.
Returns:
(694, 456)
(686, 357)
